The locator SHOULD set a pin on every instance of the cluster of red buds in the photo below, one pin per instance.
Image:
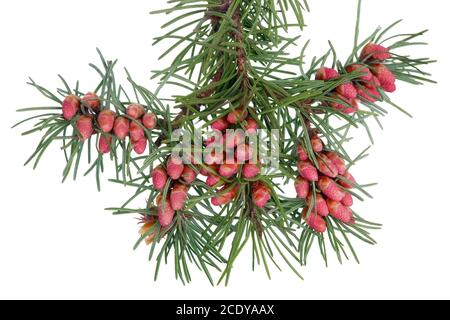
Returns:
(237, 159)
(182, 176)
(375, 75)
(333, 182)
(91, 119)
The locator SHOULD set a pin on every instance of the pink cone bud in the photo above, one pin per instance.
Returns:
(347, 90)
(149, 121)
(85, 127)
(237, 115)
(220, 125)
(251, 170)
(347, 200)
(178, 196)
(70, 107)
(105, 120)
(340, 212)
(225, 198)
(307, 170)
(228, 170)
(104, 144)
(337, 161)
(320, 206)
(234, 139)
(349, 182)
(214, 158)
(330, 189)
(244, 152)
(92, 101)
(302, 187)
(327, 167)
(165, 217)
(315, 222)
(252, 127)
(214, 181)
(260, 194)
(189, 175)
(316, 143)
(159, 177)
(121, 128)
(350, 107)
(385, 76)
(369, 91)
(135, 111)
(136, 132)
(301, 153)
(326, 74)
(175, 167)
(140, 146)
(213, 168)
(367, 75)
(374, 51)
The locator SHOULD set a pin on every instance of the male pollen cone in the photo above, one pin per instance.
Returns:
(367, 75)
(165, 217)
(189, 175)
(149, 121)
(244, 152)
(308, 171)
(385, 76)
(347, 90)
(159, 177)
(320, 206)
(337, 161)
(105, 120)
(175, 167)
(92, 101)
(70, 107)
(225, 198)
(302, 188)
(314, 221)
(252, 126)
(121, 128)
(136, 131)
(340, 212)
(349, 181)
(213, 180)
(260, 195)
(330, 189)
(369, 91)
(85, 127)
(234, 139)
(140, 146)
(316, 143)
(104, 144)
(251, 170)
(327, 167)
(221, 124)
(178, 196)
(135, 111)
(228, 170)
(347, 200)
(301, 153)
(326, 74)
(373, 51)
(237, 115)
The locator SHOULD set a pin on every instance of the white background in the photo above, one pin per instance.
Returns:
(56, 241)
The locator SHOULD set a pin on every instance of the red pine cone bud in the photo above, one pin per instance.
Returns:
(165, 217)
(214, 181)
(367, 75)
(308, 171)
(385, 76)
(149, 121)
(140, 146)
(374, 51)
(234, 139)
(314, 221)
(302, 188)
(327, 167)
(189, 175)
(349, 182)
(70, 107)
(214, 158)
(159, 177)
(121, 128)
(261, 194)
(136, 131)
(252, 126)
(316, 143)
(213, 168)
(135, 111)
(350, 107)
(178, 196)
(301, 153)
(251, 170)
(175, 167)
(221, 124)
(340, 212)
(85, 127)
(104, 144)
(337, 161)
(92, 101)
(226, 197)
(347, 90)
(326, 74)
(320, 206)
(330, 189)
(369, 91)
(347, 200)
(228, 170)
(244, 152)
(237, 115)
(106, 120)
